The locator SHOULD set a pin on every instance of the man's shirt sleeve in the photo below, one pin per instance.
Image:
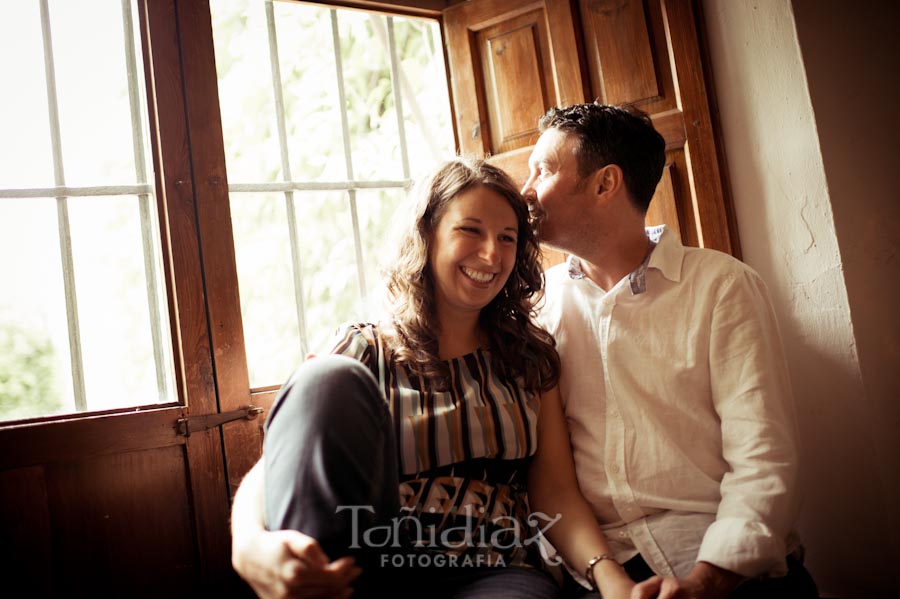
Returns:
(752, 395)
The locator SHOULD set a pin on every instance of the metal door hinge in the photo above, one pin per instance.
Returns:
(196, 424)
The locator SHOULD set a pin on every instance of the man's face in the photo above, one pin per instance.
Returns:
(554, 186)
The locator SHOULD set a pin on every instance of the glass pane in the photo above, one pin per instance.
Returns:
(113, 306)
(246, 100)
(426, 106)
(307, 81)
(330, 277)
(25, 157)
(380, 211)
(83, 318)
(371, 110)
(95, 123)
(265, 276)
(35, 370)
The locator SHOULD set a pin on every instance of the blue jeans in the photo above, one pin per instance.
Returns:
(330, 443)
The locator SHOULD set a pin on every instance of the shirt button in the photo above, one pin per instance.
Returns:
(615, 468)
(623, 534)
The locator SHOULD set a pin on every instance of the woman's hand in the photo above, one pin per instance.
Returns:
(287, 563)
(612, 580)
(283, 563)
(621, 588)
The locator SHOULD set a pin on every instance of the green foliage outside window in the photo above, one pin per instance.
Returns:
(28, 385)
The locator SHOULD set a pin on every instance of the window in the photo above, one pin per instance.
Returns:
(327, 115)
(83, 318)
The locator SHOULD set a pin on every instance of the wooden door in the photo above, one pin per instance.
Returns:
(510, 62)
(123, 503)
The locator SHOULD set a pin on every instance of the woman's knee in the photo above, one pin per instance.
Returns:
(328, 390)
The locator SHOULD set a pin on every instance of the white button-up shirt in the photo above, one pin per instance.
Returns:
(679, 407)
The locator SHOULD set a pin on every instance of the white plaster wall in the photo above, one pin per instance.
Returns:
(787, 229)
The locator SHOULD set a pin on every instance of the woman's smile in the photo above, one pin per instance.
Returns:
(479, 276)
(473, 251)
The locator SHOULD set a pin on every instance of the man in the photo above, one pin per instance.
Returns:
(675, 385)
(674, 382)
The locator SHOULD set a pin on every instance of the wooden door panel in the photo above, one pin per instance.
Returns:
(25, 542)
(509, 63)
(113, 505)
(621, 59)
(515, 67)
(627, 53)
(646, 53)
(126, 513)
(105, 505)
(664, 208)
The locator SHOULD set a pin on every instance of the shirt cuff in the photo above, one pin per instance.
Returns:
(746, 547)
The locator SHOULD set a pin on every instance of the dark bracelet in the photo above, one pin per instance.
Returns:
(589, 571)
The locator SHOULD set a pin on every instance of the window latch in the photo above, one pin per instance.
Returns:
(196, 424)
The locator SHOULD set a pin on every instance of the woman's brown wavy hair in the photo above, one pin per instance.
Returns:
(518, 347)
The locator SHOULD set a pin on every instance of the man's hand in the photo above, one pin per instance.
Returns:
(287, 563)
(705, 581)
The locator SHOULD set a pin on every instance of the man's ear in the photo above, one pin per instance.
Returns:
(608, 179)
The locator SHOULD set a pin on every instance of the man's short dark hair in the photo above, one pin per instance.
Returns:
(620, 135)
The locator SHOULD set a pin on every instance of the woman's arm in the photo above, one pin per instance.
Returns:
(553, 489)
(284, 563)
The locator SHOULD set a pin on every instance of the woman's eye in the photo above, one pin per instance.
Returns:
(507, 238)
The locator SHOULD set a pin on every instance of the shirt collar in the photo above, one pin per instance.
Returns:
(666, 255)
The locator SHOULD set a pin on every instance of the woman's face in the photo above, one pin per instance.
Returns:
(473, 251)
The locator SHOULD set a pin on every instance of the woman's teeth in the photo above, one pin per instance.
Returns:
(477, 275)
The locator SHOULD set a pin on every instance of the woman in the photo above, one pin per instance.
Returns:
(452, 400)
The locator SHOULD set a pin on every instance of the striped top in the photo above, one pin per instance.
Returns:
(462, 452)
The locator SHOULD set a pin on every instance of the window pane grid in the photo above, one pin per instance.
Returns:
(63, 194)
(336, 126)
(350, 185)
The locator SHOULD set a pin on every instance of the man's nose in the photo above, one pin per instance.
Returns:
(528, 188)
